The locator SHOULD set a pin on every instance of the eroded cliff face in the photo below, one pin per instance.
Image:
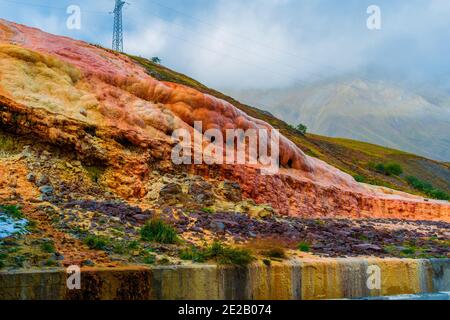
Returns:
(110, 111)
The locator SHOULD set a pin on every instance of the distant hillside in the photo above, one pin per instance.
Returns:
(373, 112)
(353, 157)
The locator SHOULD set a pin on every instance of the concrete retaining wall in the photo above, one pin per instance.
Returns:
(299, 279)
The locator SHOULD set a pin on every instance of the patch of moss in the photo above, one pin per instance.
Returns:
(320, 222)
(95, 172)
(8, 144)
(208, 210)
(363, 237)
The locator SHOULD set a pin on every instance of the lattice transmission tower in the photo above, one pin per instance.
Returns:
(117, 43)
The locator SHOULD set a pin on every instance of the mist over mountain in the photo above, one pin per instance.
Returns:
(415, 120)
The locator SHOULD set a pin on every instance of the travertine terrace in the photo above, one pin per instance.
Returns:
(104, 106)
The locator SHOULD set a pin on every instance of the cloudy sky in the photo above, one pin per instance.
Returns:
(265, 43)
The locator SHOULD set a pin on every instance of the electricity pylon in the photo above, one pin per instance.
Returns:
(117, 43)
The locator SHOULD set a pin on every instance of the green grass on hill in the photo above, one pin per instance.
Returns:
(354, 157)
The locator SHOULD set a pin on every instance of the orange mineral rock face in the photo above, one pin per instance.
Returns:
(62, 86)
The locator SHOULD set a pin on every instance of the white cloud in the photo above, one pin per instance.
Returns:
(149, 42)
(265, 43)
(251, 44)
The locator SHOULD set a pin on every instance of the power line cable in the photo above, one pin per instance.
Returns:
(190, 42)
(174, 36)
(250, 39)
(270, 71)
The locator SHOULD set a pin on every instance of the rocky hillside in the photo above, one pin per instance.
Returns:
(353, 157)
(86, 175)
(115, 115)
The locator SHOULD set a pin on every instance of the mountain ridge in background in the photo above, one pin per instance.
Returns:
(369, 111)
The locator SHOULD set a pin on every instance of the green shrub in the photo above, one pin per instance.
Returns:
(48, 247)
(3, 257)
(360, 178)
(119, 247)
(96, 242)
(12, 211)
(219, 252)
(192, 254)
(388, 169)
(379, 167)
(304, 247)
(227, 255)
(150, 259)
(208, 210)
(157, 230)
(427, 188)
(277, 253)
(51, 263)
(393, 169)
(302, 129)
(438, 194)
(391, 249)
(133, 245)
(123, 247)
(156, 60)
(409, 251)
(418, 184)
(19, 261)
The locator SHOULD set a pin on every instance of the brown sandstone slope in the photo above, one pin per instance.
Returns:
(109, 110)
